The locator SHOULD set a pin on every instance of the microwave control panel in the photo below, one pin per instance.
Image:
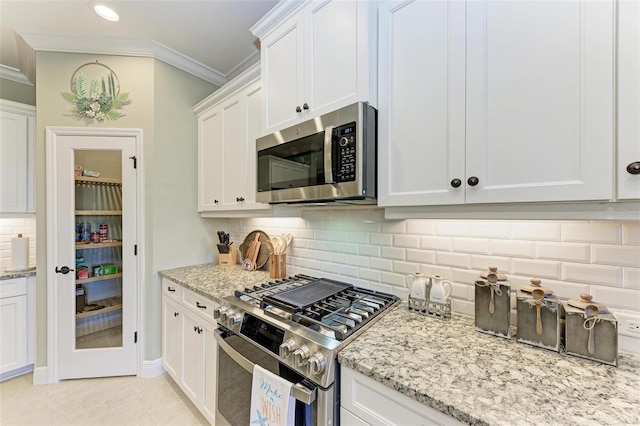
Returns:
(346, 153)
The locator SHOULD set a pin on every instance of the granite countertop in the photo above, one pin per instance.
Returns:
(7, 275)
(213, 281)
(483, 379)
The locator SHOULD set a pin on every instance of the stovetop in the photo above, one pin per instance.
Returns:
(303, 321)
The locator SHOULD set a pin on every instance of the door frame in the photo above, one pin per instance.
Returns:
(52, 134)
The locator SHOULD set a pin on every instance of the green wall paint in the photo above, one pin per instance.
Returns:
(17, 92)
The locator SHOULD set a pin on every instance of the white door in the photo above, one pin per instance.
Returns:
(209, 160)
(421, 111)
(192, 357)
(539, 100)
(13, 333)
(94, 275)
(233, 152)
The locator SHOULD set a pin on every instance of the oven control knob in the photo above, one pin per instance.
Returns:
(234, 320)
(317, 364)
(301, 355)
(225, 315)
(287, 348)
(217, 312)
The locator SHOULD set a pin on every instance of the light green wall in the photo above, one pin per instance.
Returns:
(162, 97)
(17, 92)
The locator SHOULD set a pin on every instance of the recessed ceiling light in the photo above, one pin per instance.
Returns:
(106, 12)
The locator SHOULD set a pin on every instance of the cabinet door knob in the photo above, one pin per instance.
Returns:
(634, 168)
(305, 106)
(239, 199)
(171, 289)
(175, 314)
(298, 109)
(456, 183)
(201, 306)
(473, 181)
(215, 201)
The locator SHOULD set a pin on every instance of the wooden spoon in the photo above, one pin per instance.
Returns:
(538, 295)
(492, 278)
(591, 311)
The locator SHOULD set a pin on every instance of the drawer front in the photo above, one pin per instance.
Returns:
(171, 289)
(13, 287)
(199, 304)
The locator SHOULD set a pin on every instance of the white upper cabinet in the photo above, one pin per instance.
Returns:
(628, 99)
(496, 101)
(317, 59)
(17, 146)
(229, 122)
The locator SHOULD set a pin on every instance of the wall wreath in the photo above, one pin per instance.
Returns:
(101, 99)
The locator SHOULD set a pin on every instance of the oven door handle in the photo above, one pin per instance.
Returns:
(328, 151)
(299, 391)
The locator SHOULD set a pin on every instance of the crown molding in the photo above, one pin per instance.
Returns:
(120, 46)
(279, 12)
(13, 74)
(17, 108)
(249, 75)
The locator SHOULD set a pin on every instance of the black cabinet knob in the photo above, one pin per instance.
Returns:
(215, 201)
(201, 306)
(239, 199)
(64, 270)
(473, 181)
(456, 183)
(298, 109)
(175, 314)
(634, 168)
(305, 106)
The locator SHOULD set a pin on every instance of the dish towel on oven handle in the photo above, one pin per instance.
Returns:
(271, 400)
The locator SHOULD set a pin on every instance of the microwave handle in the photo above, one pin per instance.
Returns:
(298, 391)
(328, 150)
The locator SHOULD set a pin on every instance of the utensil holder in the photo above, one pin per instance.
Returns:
(228, 259)
(277, 265)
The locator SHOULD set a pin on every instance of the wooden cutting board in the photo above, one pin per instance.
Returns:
(263, 251)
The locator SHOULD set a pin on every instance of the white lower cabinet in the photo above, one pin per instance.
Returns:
(17, 325)
(367, 402)
(189, 348)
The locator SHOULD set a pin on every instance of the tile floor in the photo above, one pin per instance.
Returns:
(97, 402)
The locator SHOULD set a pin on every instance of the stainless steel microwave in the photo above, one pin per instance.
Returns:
(328, 159)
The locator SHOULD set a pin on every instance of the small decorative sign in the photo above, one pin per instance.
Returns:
(103, 97)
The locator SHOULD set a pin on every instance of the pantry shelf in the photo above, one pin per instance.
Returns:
(110, 304)
(98, 212)
(89, 246)
(100, 278)
(98, 181)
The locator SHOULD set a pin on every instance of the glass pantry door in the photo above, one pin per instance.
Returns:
(96, 231)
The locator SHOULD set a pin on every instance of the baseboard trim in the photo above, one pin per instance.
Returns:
(15, 373)
(40, 376)
(152, 368)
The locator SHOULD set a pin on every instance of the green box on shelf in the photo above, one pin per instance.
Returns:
(101, 270)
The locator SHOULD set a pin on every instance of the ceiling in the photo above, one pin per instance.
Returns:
(214, 33)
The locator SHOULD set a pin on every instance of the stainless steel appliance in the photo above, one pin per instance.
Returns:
(295, 328)
(330, 158)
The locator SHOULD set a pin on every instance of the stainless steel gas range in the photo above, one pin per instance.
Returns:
(295, 328)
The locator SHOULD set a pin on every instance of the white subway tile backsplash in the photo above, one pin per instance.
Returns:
(394, 227)
(381, 239)
(471, 245)
(593, 274)
(631, 278)
(536, 231)
(306, 233)
(458, 260)
(536, 268)
(631, 233)
(463, 307)
(562, 289)
(436, 243)
(393, 279)
(464, 276)
(368, 250)
(10, 228)
(421, 227)
(490, 229)
(421, 256)
(512, 248)
(348, 248)
(358, 237)
(381, 264)
(616, 255)
(616, 297)
(406, 268)
(452, 228)
(410, 241)
(607, 233)
(429, 270)
(482, 263)
(569, 252)
(393, 253)
(462, 291)
(369, 274)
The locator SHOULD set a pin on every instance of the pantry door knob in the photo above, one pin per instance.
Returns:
(456, 183)
(64, 270)
(634, 168)
(473, 181)
(298, 109)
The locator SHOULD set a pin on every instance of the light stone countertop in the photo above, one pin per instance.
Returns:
(6, 275)
(213, 281)
(483, 379)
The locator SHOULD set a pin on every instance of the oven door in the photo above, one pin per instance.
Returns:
(236, 359)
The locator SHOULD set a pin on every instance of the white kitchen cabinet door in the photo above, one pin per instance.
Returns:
(209, 160)
(172, 338)
(628, 99)
(282, 60)
(234, 151)
(192, 382)
(210, 372)
(340, 55)
(17, 145)
(13, 333)
(539, 101)
(421, 113)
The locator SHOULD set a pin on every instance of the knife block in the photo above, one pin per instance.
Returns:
(605, 336)
(228, 259)
(551, 314)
